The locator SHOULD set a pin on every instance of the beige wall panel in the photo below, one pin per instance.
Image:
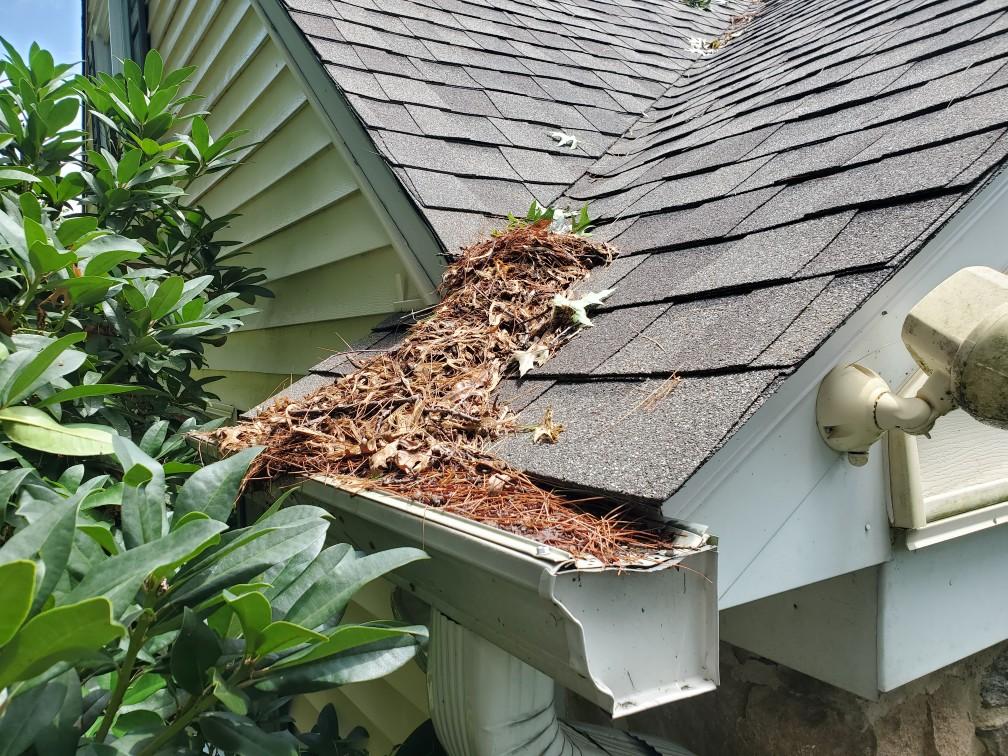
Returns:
(289, 149)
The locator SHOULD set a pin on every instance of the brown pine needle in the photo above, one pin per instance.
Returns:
(418, 421)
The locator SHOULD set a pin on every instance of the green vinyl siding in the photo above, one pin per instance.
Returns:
(328, 257)
(302, 216)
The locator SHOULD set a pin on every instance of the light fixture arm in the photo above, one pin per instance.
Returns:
(855, 407)
(958, 335)
(915, 415)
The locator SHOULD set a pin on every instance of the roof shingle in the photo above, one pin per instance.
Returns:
(758, 193)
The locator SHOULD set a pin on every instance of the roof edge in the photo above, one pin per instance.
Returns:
(413, 238)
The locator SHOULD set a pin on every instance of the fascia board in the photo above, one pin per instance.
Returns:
(787, 510)
(412, 236)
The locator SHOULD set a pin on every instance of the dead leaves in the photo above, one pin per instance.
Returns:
(547, 432)
(419, 421)
(394, 456)
(578, 308)
(532, 357)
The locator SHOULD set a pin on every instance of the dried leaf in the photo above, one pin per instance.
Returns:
(532, 357)
(578, 307)
(412, 462)
(547, 432)
(380, 459)
(497, 481)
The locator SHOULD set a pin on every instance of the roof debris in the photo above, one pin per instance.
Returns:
(419, 420)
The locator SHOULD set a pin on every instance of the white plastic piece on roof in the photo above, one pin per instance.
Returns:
(699, 46)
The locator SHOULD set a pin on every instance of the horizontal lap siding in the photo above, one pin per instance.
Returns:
(327, 257)
(302, 216)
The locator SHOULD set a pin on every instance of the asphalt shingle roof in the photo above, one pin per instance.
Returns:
(758, 192)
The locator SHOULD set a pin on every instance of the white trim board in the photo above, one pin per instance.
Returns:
(787, 510)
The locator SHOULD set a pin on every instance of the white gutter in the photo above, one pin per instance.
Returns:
(627, 639)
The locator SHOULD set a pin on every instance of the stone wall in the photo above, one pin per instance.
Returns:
(765, 709)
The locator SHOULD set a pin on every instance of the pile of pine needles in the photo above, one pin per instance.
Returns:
(418, 421)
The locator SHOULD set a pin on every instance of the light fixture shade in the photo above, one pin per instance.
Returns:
(980, 370)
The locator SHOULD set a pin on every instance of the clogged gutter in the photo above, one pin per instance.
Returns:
(419, 421)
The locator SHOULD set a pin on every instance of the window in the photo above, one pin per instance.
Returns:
(115, 30)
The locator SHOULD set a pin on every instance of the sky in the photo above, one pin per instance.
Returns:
(54, 24)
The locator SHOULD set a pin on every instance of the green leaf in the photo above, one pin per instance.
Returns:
(110, 243)
(196, 649)
(80, 392)
(154, 437)
(101, 534)
(46, 259)
(43, 716)
(181, 468)
(261, 546)
(9, 483)
(119, 577)
(281, 635)
(9, 176)
(103, 262)
(66, 633)
(214, 489)
(233, 698)
(48, 537)
(72, 229)
(327, 598)
(135, 725)
(236, 734)
(278, 502)
(200, 135)
(152, 70)
(62, 114)
(356, 664)
(178, 76)
(144, 517)
(254, 614)
(297, 577)
(42, 65)
(17, 589)
(129, 164)
(33, 231)
(347, 637)
(143, 688)
(26, 378)
(166, 297)
(35, 429)
(86, 290)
